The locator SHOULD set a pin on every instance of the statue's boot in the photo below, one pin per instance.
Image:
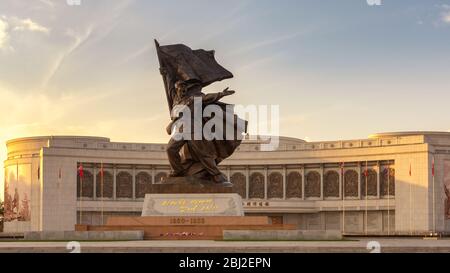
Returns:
(222, 179)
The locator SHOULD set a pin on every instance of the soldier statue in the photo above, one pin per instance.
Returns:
(185, 73)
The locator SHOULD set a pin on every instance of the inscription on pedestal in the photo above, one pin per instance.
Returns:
(192, 205)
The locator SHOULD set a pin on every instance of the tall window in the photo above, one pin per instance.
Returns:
(331, 184)
(239, 184)
(351, 183)
(143, 184)
(256, 189)
(312, 184)
(124, 185)
(294, 185)
(108, 185)
(275, 185)
(88, 185)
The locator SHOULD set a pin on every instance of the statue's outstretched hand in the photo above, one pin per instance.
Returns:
(228, 92)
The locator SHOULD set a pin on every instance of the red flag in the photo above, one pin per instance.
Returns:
(432, 168)
(80, 171)
(342, 169)
(366, 171)
(101, 170)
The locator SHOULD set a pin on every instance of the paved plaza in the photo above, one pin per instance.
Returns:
(366, 245)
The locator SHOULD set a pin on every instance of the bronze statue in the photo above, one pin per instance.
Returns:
(185, 72)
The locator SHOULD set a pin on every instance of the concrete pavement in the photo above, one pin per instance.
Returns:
(365, 245)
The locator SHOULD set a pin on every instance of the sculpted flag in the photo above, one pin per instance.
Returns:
(193, 65)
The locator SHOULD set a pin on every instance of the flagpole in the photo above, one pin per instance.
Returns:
(434, 198)
(389, 198)
(81, 192)
(101, 186)
(366, 174)
(17, 185)
(162, 65)
(81, 200)
(410, 209)
(410, 200)
(343, 197)
(59, 194)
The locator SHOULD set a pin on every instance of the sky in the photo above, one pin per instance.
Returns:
(337, 69)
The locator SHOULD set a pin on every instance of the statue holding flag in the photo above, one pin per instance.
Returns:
(185, 73)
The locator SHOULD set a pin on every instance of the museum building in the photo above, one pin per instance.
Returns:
(390, 183)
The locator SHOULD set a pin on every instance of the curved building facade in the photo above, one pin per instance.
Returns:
(380, 185)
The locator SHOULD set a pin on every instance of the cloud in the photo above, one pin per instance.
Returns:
(446, 17)
(28, 25)
(228, 21)
(78, 40)
(4, 35)
(47, 3)
(95, 31)
(8, 25)
(445, 14)
(269, 42)
(145, 49)
(259, 62)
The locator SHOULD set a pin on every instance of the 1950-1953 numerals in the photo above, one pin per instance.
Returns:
(183, 220)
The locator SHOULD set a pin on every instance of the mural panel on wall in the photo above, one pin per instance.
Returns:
(17, 193)
(447, 189)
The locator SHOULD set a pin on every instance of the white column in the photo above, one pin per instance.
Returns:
(359, 180)
(134, 182)
(265, 182)
(114, 182)
(95, 181)
(153, 174)
(379, 172)
(341, 182)
(247, 182)
(321, 182)
(284, 181)
(303, 182)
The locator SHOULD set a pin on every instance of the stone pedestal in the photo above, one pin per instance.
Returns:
(206, 204)
(188, 208)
